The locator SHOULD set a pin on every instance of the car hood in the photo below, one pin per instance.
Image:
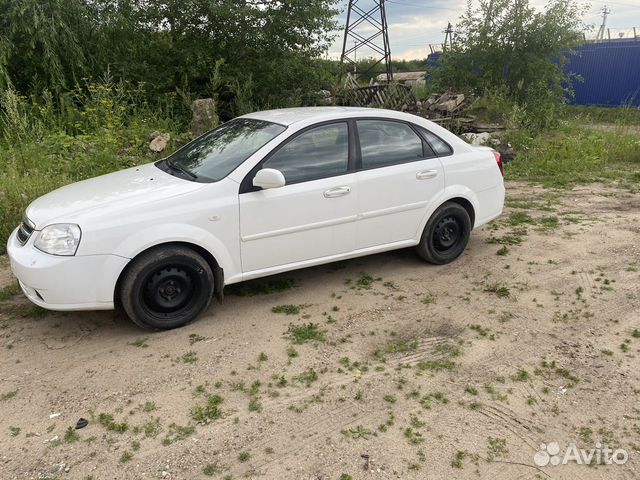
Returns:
(121, 190)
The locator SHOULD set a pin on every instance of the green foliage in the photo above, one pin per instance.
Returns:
(270, 50)
(576, 154)
(510, 49)
(104, 127)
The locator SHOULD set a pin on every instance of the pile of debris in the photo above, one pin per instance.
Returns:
(443, 105)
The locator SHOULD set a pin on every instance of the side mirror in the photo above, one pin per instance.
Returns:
(269, 178)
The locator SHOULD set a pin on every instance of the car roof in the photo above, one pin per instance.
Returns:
(289, 116)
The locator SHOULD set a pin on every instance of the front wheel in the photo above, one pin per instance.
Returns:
(166, 288)
(446, 234)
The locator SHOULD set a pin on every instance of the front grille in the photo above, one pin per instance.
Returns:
(24, 231)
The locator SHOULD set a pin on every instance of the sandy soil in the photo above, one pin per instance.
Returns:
(424, 372)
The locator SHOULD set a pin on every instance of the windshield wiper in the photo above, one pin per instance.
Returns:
(184, 171)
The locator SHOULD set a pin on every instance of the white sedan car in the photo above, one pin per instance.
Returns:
(265, 193)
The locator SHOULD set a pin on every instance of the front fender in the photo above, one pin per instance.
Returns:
(149, 237)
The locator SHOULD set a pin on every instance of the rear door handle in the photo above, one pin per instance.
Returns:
(337, 192)
(427, 174)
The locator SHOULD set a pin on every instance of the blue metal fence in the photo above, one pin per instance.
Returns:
(610, 73)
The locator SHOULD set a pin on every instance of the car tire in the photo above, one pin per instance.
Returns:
(446, 234)
(167, 287)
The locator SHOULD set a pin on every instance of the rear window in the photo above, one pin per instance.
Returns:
(439, 146)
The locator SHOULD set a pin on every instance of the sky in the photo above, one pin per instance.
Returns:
(414, 24)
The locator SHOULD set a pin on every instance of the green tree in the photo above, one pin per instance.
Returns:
(508, 45)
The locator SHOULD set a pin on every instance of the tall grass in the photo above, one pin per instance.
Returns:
(98, 128)
(580, 151)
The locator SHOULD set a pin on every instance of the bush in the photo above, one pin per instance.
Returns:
(102, 128)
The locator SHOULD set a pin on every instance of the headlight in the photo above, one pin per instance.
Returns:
(59, 239)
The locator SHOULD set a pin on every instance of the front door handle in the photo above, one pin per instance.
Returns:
(337, 192)
(427, 174)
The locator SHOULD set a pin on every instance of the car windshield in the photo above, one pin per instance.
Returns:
(216, 154)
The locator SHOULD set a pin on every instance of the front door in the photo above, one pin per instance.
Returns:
(313, 215)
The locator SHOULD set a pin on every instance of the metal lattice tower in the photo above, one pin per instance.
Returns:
(367, 28)
(603, 27)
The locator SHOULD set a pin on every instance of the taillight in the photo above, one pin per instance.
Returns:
(499, 161)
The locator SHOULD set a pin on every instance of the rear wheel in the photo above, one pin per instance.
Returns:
(446, 234)
(166, 288)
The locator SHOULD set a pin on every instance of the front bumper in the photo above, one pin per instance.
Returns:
(65, 283)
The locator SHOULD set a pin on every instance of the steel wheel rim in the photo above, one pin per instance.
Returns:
(447, 234)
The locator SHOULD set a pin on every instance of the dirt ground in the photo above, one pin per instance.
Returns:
(407, 370)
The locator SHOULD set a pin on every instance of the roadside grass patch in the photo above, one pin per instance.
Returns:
(70, 435)
(177, 433)
(189, 358)
(139, 342)
(499, 289)
(195, 338)
(8, 396)
(517, 219)
(401, 346)
(365, 282)
(289, 309)
(444, 354)
(307, 377)
(521, 376)
(211, 469)
(8, 292)
(308, 332)
(107, 421)
(496, 448)
(210, 411)
(577, 155)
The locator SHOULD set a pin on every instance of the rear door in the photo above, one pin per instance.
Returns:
(400, 177)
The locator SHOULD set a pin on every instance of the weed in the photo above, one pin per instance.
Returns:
(503, 251)
(288, 309)
(177, 433)
(308, 332)
(106, 420)
(139, 342)
(458, 458)
(496, 448)
(499, 289)
(366, 281)
(149, 406)
(413, 437)
(210, 411)
(521, 376)
(195, 338)
(360, 432)
(8, 396)
(307, 377)
(189, 358)
(211, 469)
(8, 292)
(70, 435)
(126, 456)
(244, 456)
